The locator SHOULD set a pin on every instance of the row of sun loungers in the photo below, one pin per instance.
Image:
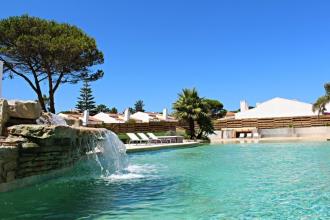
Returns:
(148, 138)
(249, 135)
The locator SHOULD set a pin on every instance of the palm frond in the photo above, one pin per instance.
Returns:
(319, 105)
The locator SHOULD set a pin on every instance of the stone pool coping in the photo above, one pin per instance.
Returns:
(272, 139)
(131, 148)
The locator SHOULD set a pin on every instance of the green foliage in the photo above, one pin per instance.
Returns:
(46, 101)
(131, 121)
(105, 109)
(86, 99)
(113, 110)
(205, 126)
(139, 106)
(102, 108)
(192, 109)
(43, 51)
(123, 137)
(131, 110)
(216, 108)
(319, 105)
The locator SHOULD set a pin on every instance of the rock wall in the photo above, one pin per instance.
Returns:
(32, 150)
(14, 112)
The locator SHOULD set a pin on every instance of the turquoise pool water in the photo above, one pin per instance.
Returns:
(250, 181)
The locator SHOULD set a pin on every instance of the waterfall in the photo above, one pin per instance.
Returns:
(110, 153)
(107, 149)
(104, 145)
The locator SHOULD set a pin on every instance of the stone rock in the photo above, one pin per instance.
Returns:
(8, 152)
(13, 140)
(30, 145)
(73, 122)
(36, 131)
(10, 176)
(52, 131)
(11, 165)
(4, 115)
(24, 109)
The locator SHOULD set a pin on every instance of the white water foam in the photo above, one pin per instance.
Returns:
(133, 172)
(110, 153)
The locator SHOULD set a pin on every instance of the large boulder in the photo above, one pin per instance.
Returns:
(4, 115)
(53, 131)
(42, 131)
(48, 136)
(24, 109)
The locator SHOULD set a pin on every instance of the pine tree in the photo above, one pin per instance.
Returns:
(139, 106)
(86, 99)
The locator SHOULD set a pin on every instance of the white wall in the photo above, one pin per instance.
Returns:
(106, 118)
(296, 132)
(142, 116)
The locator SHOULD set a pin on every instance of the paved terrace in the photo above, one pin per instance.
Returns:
(150, 147)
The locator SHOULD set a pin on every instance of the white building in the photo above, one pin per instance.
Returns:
(278, 107)
(152, 116)
(109, 118)
(79, 116)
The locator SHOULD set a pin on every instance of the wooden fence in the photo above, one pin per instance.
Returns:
(264, 123)
(137, 127)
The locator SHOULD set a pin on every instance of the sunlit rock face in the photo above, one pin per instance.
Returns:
(4, 114)
(24, 109)
(14, 112)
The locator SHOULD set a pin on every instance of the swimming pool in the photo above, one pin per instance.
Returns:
(238, 181)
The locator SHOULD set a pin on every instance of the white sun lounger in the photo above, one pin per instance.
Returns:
(162, 140)
(145, 138)
(249, 135)
(148, 137)
(133, 138)
(241, 135)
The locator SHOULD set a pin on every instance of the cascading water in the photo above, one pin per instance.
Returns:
(110, 153)
(108, 149)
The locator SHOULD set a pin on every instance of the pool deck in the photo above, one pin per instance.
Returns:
(130, 148)
(271, 139)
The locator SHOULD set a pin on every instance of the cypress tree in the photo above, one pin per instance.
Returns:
(86, 99)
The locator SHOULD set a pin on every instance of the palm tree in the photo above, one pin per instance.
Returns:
(321, 102)
(190, 108)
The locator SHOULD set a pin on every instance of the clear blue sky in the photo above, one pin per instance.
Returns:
(228, 49)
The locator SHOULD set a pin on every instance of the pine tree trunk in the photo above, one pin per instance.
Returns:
(51, 102)
(51, 93)
(41, 101)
